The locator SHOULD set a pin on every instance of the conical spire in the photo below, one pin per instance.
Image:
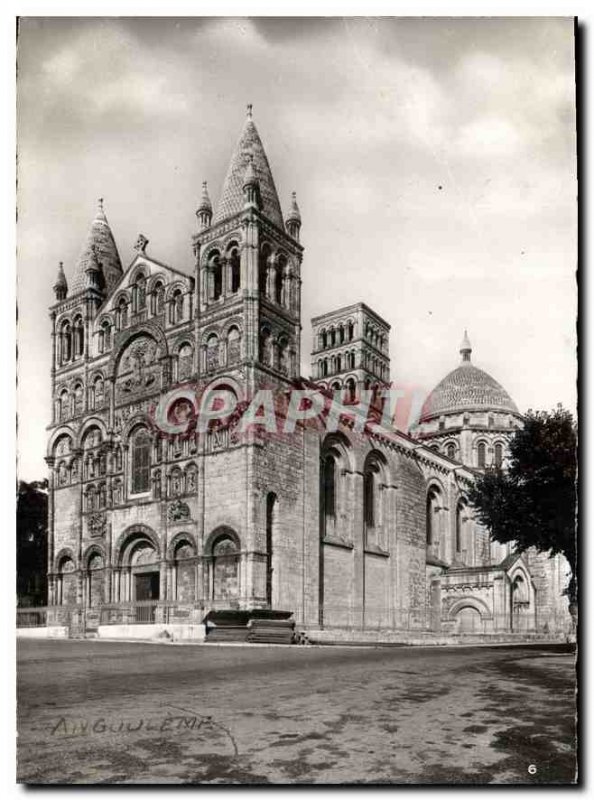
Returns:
(99, 247)
(465, 348)
(232, 198)
(61, 285)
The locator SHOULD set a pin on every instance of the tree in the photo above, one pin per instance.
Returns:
(32, 543)
(533, 501)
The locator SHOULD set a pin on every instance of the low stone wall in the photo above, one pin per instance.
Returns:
(174, 633)
(52, 632)
(350, 636)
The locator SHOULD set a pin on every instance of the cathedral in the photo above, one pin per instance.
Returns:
(362, 532)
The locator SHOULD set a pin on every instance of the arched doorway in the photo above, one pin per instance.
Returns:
(184, 570)
(469, 620)
(95, 579)
(224, 581)
(139, 577)
(66, 589)
(520, 604)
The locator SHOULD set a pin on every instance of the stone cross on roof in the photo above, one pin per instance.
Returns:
(141, 243)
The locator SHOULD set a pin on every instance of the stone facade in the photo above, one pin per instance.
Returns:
(349, 530)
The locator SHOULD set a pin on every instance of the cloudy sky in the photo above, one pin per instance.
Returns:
(433, 159)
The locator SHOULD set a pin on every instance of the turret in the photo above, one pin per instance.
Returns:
(251, 193)
(204, 210)
(61, 285)
(465, 348)
(293, 220)
(94, 272)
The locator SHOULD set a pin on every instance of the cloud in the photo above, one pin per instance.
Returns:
(105, 70)
(489, 136)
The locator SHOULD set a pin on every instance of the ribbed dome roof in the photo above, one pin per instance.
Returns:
(466, 387)
(231, 200)
(100, 246)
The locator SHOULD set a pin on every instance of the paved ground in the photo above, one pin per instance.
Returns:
(98, 712)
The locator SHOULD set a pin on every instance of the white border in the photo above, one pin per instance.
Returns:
(8, 12)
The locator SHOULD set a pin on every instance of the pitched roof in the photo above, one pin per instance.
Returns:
(100, 245)
(231, 199)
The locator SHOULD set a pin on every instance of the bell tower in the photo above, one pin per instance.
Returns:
(248, 273)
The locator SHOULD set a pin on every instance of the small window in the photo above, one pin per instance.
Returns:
(235, 266)
(482, 455)
(329, 485)
(498, 455)
(141, 462)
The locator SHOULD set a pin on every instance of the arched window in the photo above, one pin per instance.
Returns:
(122, 315)
(78, 399)
(451, 451)
(498, 455)
(158, 298)
(212, 352)
(176, 482)
(280, 278)
(184, 362)
(104, 337)
(351, 388)
(460, 520)
(141, 461)
(64, 404)
(350, 331)
(65, 343)
(217, 277)
(271, 504)
(329, 485)
(235, 269)
(176, 307)
(263, 270)
(140, 292)
(332, 337)
(369, 489)
(283, 355)
(233, 345)
(79, 337)
(481, 452)
(432, 509)
(265, 346)
(96, 394)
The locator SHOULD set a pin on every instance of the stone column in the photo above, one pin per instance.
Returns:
(162, 579)
(358, 594)
(116, 585)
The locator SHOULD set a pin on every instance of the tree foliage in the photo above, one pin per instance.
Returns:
(532, 501)
(31, 542)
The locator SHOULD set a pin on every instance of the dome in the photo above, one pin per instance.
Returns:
(466, 388)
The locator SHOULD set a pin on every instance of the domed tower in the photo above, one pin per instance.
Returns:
(469, 416)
